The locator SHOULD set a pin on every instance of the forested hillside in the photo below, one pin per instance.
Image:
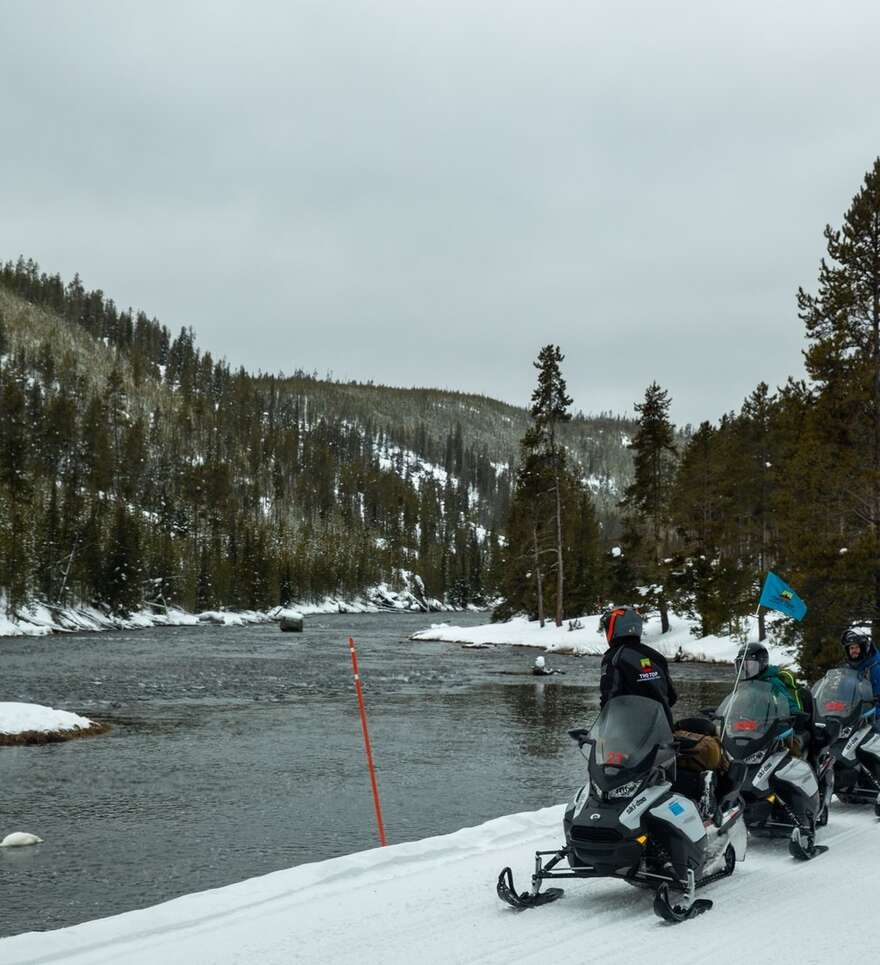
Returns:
(135, 468)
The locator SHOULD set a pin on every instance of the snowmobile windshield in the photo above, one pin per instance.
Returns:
(843, 692)
(751, 711)
(626, 734)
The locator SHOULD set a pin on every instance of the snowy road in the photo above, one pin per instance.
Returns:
(433, 901)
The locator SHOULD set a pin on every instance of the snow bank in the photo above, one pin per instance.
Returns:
(433, 902)
(38, 619)
(587, 639)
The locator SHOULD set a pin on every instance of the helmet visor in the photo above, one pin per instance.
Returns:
(751, 668)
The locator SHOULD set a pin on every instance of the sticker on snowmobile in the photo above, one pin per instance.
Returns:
(766, 769)
(835, 705)
(683, 815)
(745, 725)
(631, 814)
(849, 751)
(615, 757)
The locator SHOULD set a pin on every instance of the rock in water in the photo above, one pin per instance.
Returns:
(19, 839)
(291, 621)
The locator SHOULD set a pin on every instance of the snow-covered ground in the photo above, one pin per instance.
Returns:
(433, 901)
(679, 643)
(16, 718)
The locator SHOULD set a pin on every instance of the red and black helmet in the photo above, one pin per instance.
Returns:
(621, 621)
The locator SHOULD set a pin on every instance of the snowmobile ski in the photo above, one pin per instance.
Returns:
(688, 907)
(802, 845)
(507, 892)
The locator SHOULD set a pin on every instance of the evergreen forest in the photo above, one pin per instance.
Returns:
(137, 470)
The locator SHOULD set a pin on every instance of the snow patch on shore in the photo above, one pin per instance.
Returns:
(588, 640)
(17, 718)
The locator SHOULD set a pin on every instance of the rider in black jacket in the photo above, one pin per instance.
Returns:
(631, 667)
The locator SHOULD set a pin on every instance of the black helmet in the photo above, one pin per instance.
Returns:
(620, 622)
(752, 660)
(862, 640)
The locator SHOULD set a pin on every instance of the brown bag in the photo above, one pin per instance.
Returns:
(701, 752)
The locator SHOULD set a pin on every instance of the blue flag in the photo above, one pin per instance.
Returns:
(778, 595)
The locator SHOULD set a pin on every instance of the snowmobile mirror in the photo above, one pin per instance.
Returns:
(581, 735)
(708, 712)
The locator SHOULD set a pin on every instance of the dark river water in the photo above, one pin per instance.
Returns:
(238, 751)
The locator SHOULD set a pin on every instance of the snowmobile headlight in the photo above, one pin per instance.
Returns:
(625, 790)
(755, 758)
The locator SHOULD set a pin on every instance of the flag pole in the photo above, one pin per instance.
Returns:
(372, 769)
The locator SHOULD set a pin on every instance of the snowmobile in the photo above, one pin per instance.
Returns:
(781, 791)
(629, 821)
(845, 711)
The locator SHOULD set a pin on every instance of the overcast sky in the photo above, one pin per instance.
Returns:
(424, 193)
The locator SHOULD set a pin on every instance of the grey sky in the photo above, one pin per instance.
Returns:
(424, 193)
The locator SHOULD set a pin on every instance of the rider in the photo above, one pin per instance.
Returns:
(753, 663)
(861, 654)
(629, 666)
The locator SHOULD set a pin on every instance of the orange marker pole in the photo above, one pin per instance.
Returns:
(360, 696)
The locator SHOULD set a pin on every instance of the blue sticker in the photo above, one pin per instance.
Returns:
(676, 808)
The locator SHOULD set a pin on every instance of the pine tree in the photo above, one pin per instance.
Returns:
(843, 328)
(16, 490)
(647, 498)
(122, 572)
(549, 410)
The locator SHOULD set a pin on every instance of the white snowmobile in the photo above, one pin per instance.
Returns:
(782, 793)
(845, 712)
(629, 821)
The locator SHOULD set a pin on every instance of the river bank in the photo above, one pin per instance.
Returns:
(38, 619)
(583, 637)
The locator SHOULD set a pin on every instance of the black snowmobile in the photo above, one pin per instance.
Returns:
(845, 711)
(629, 821)
(781, 791)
